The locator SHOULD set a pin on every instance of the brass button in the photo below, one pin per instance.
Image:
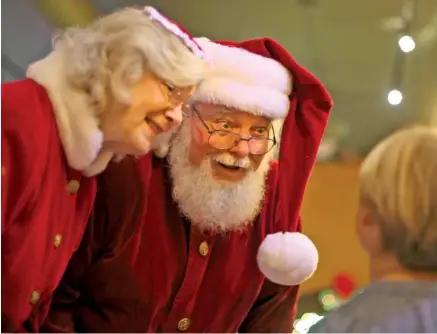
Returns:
(3, 171)
(73, 186)
(183, 324)
(204, 248)
(34, 297)
(57, 241)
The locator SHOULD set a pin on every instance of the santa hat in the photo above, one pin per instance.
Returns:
(287, 256)
(259, 76)
(240, 79)
(176, 29)
(245, 81)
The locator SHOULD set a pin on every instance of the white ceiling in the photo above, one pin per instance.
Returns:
(341, 41)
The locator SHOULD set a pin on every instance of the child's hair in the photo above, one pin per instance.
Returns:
(398, 179)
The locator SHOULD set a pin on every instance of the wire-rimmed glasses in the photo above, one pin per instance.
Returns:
(177, 96)
(226, 140)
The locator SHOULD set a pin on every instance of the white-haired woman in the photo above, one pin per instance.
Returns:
(105, 90)
(397, 226)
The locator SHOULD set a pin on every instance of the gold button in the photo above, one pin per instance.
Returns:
(34, 297)
(73, 186)
(3, 171)
(204, 248)
(57, 241)
(183, 324)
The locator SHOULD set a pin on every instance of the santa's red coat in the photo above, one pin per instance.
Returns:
(163, 273)
(45, 206)
(143, 268)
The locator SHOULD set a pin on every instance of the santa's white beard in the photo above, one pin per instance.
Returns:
(212, 205)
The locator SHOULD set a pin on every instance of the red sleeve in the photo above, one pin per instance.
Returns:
(60, 318)
(22, 144)
(7, 175)
(16, 173)
(274, 311)
(116, 213)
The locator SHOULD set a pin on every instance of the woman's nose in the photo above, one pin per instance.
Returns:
(167, 120)
(175, 115)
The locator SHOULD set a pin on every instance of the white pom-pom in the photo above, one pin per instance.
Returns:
(287, 258)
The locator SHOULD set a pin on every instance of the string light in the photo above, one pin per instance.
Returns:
(329, 300)
(394, 97)
(406, 43)
(302, 325)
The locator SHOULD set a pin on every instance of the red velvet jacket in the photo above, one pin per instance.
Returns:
(168, 271)
(45, 206)
(143, 268)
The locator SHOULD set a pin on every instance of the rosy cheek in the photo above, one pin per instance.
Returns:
(198, 136)
(199, 146)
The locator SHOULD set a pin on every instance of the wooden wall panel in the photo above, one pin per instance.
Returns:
(328, 215)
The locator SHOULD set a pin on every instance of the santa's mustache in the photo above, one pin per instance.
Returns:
(230, 160)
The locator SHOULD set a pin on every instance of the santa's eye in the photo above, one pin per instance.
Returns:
(223, 125)
(260, 131)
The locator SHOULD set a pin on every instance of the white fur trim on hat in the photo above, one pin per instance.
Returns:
(244, 80)
(288, 258)
(188, 40)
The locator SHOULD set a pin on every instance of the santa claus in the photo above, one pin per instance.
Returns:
(106, 89)
(185, 242)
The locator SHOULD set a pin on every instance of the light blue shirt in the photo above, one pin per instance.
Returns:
(386, 307)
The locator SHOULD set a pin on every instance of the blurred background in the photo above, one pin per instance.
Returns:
(377, 58)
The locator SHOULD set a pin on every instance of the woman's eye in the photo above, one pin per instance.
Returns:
(169, 87)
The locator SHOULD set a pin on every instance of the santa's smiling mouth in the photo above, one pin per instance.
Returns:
(227, 166)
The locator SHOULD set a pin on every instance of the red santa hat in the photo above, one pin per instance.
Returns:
(259, 76)
(176, 29)
(245, 80)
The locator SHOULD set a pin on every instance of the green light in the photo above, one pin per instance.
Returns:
(328, 299)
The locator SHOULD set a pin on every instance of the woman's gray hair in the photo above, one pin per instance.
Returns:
(105, 58)
(398, 182)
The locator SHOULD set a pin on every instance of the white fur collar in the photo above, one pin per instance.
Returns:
(77, 123)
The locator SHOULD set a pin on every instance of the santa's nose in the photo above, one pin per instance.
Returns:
(242, 149)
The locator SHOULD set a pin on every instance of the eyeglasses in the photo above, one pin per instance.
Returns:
(178, 96)
(226, 140)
